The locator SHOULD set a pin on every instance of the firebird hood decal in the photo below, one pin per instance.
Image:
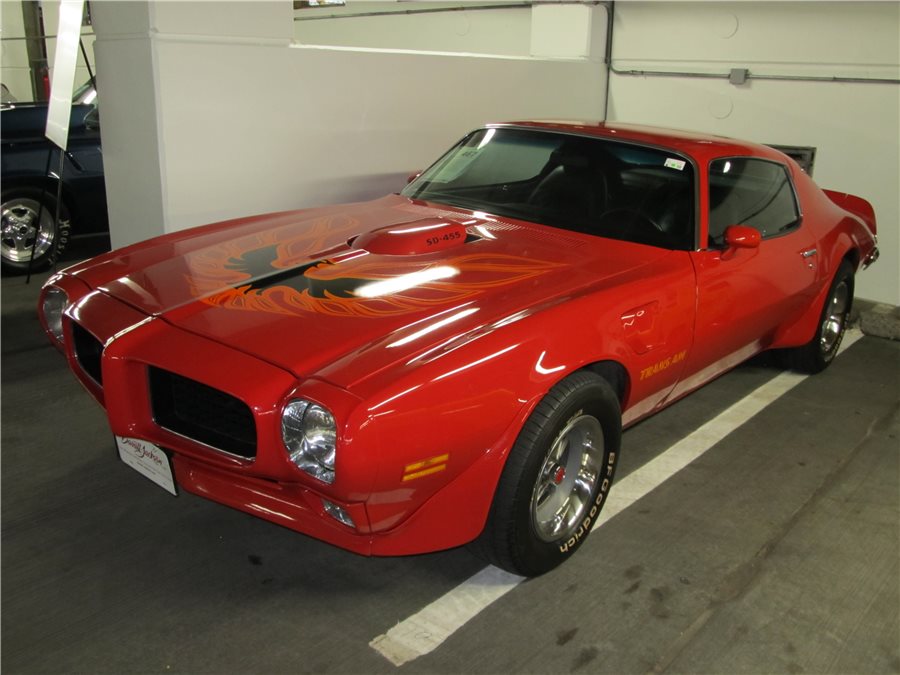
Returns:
(350, 283)
(293, 290)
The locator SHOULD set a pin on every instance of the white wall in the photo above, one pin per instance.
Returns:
(347, 125)
(208, 116)
(13, 53)
(855, 127)
(14, 56)
(481, 31)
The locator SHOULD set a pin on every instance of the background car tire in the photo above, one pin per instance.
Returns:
(815, 355)
(574, 432)
(19, 209)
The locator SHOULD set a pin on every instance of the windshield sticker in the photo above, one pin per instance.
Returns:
(672, 163)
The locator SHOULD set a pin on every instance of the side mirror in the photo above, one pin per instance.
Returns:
(741, 236)
(413, 176)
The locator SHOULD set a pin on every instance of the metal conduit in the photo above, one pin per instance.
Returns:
(610, 12)
(751, 76)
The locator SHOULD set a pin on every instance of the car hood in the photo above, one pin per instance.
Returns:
(343, 292)
(27, 121)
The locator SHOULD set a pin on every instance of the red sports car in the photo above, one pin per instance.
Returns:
(455, 363)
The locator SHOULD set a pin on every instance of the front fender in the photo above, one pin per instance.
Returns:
(447, 416)
(456, 513)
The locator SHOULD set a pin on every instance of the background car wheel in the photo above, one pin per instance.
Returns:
(20, 227)
(815, 355)
(556, 478)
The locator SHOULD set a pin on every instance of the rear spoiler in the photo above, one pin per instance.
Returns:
(855, 205)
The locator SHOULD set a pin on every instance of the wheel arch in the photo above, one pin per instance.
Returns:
(615, 374)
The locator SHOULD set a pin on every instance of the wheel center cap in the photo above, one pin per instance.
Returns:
(558, 475)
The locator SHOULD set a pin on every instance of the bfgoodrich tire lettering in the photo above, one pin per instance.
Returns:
(556, 479)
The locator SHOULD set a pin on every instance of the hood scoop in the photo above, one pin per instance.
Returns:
(414, 238)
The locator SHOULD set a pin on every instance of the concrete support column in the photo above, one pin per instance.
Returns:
(153, 60)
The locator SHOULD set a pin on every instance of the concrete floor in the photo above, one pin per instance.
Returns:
(777, 551)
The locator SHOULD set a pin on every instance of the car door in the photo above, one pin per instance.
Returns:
(744, 295)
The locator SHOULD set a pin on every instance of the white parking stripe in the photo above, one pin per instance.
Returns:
(425, 630)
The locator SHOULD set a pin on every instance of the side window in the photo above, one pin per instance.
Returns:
(753, 192)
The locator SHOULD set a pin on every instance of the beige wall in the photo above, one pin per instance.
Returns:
(492, 31)
(205, 120)
(228, 117)
(855, 127)
(14, 56)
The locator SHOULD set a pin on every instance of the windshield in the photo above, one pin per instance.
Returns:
(584, 184)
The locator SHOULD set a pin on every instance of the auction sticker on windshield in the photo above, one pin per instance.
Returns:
(149, 460)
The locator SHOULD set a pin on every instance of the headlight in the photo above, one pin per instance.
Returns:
(55, 301)
(309, 434)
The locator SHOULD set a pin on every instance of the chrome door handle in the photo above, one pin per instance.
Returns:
(808, 253)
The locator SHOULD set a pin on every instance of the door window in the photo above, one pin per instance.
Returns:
(753, 192)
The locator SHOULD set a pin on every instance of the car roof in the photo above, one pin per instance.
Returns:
(699, 145)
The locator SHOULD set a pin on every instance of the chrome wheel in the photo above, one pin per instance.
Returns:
(20, 229)
(566, 481)
(556, 478)
(835, 318)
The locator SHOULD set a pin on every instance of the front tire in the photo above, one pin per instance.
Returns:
(20, 229)
(818, 353)
(556, 477)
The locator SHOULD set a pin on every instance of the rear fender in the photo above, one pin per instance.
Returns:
(856, 205)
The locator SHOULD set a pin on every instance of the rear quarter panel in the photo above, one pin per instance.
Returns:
(840, 235)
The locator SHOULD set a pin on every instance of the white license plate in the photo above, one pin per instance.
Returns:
(147, 459)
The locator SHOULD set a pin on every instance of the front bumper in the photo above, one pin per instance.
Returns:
(289, 504)
(128, 346)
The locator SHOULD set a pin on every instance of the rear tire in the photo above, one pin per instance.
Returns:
(818, 353)
(556, 478)
(20, 208)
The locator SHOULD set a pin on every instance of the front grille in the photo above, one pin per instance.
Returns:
(202, 413)
(88, 351)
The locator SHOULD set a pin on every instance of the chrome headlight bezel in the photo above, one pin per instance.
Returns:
(52, 308)
(309, 433)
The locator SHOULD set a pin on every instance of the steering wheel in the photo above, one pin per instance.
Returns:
(631, 225)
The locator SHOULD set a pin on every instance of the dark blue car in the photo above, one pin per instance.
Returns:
(26, 187)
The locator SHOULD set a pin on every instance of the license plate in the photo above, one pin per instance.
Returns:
(149, 460)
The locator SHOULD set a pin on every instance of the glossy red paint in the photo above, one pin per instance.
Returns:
(740, 236)
(431, 332)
